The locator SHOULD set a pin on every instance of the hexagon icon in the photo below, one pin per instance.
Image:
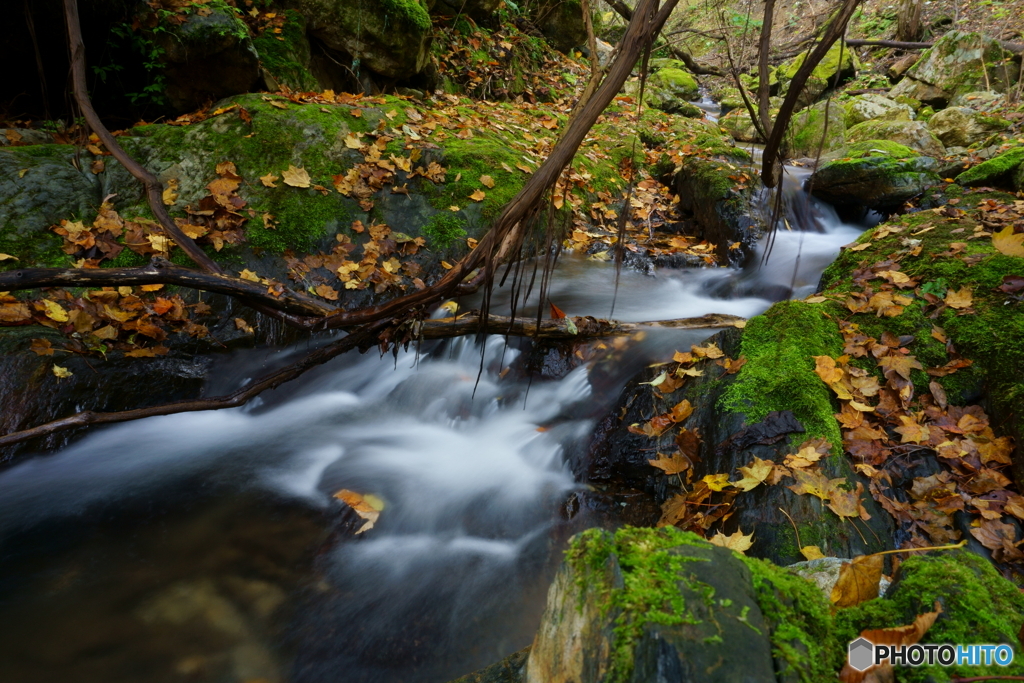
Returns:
(862, 654)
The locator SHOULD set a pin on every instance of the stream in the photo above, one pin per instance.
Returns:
(208, 547)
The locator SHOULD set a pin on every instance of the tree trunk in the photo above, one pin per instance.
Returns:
(908, 28)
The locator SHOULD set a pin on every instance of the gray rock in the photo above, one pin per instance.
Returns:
(872, 106)
(10, 137)
(962, 127)
(957, 63)
(982, 100)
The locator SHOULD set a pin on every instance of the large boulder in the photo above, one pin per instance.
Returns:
(912, 134)
(389, 37)
(982, 100)
(962, 127)
(207, 57)
(839, 64)
(561, 22)
(285, 57)
(819, 128)
(876, 174)
(671, 87)
(959, 62)
(740, 126)
(870, 107)
(664, 605)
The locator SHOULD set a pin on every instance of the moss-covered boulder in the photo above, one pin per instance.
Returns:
(740, 126)
(962, 127)
(978, 606)
(285, 57)
(839, 65)
(876, 174)
(660, 604)
(996, 171)
(871, 106)
(561, 22)
(207, 57)
(912, 134)
(671, 89)
(959, 62)
(389, 37)
(819, 128)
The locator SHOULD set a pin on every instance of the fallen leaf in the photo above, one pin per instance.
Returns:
(7, 257)
(170, 193)
(269, 180)
(42, 347)
(487, 181)
(61, 373)
(738, 541)
(716, 482)
(478, 196)
(858, 581)
(1006, 241)
(296, 177)
(961, 298)
(55, 312)
(366, 506)
(671, 464)
(812, 552)
(754, 474)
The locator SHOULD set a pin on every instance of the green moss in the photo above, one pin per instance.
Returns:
(978, 606)
(651, 575)
(875, 147)
(443, 229)
(407, 11)
(288, 60)
(800, 620)
(994, 170)
(826, 68)
(467, 161)
(779, 373)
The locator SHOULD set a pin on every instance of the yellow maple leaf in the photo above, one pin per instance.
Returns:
(55, 312)
(249, 275)
(738, 541)
(716, 482)
(487, 181)
(812, 552)
(269, 180)
(754, 474)
(478, 196)
(296, 177)
(1009, 243)
(61, 373)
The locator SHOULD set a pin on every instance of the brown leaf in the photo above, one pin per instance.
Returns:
(754, 474)
(296, 177)
(42, 347)
(556, 312)
(858, 581)
(961, 298)
(671, 464)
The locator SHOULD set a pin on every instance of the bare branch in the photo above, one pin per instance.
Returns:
(580, 328)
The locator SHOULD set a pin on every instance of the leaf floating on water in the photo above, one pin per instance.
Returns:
(367, 506)
(858, 581)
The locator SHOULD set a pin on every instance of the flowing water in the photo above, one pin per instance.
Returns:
(208, 547)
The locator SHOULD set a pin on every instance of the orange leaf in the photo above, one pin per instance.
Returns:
(858, 581)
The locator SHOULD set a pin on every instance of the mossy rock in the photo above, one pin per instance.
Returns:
(876, 174)
(820, 128)
(389, 37)
(840, 59)
(978, 606)
(959, 62)
(285, 57)
(671, 89)
(870, 107)
(996, 171)
(206, 57)
(962, 127)
(561, 22)
(644, 604)
(913, 134)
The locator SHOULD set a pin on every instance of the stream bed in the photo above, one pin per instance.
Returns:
(208, 546)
